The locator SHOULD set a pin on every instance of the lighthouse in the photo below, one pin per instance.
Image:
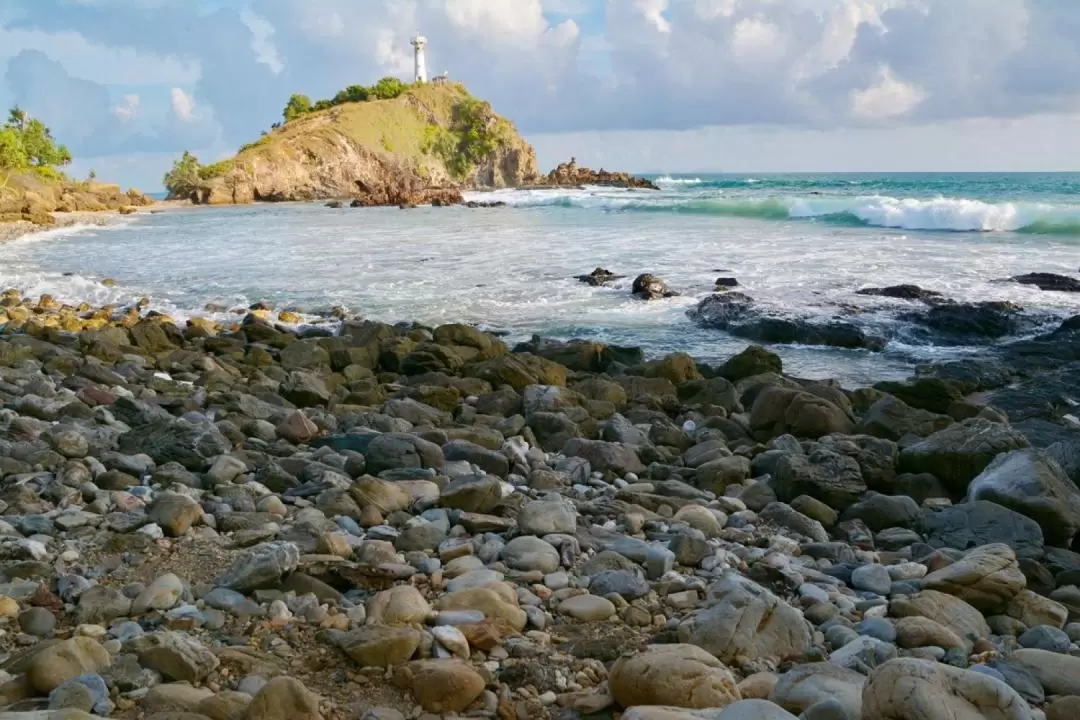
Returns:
(418, 43)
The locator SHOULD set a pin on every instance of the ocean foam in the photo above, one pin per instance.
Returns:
(942, 213)
(668, 180)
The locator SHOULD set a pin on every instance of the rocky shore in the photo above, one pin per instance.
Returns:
(263, 520)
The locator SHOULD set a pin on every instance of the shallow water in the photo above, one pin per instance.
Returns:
(512, 268)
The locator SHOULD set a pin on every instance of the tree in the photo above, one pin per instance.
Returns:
(12, 152)
(297, 106)
(17, 118)
(183, 180)
(40, 146)
(388, 88)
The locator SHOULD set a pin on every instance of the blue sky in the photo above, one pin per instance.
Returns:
(666, 85)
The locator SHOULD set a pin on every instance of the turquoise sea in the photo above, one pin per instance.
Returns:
(800, 245)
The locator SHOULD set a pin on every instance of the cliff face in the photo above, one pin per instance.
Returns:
(399, 151)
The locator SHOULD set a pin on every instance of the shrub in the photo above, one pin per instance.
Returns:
(297, 106)
(183, 180)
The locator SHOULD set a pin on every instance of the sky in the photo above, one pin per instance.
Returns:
(641, 85)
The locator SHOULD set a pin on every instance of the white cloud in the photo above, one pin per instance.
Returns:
(183, 105)
(653, 12)
(128, 109)
(262, 44)
(93, 61)
(886, 99)
(757, 40)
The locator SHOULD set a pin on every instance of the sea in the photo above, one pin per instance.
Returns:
(800, 245)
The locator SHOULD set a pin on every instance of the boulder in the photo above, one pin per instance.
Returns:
(754, 360)
(893, 419)
(472, 493)
(987, 578)
(957, 454)
(912, 689)
(605, 456)
(676, 675)
(1058, 673)
(970, 525)
(916, 631)
(175, 655)
(380, 645)
(805, 685)
(547, 517)
(284, 698)
(261, 567)
(401, 605)
(952, 612)
(445, 686)
(49, 668)
(651, 287)
(778, 410)
(741, 618)
(824, 475)
(1032, 483)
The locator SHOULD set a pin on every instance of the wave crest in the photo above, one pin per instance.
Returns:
(941, 213)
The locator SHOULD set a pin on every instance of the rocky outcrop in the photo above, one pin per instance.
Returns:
(570, 174)
(31, 198)
(377, 152)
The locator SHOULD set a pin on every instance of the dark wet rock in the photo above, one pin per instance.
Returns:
(754, 360)
(893, 419)
(827, 476)
(1032, 483)
(957, 454)
(934, 395)
(723, 283)
(1048, 281)
(962, 323)
(599, 277)
(972, 524)
(192, 444)
(651, 287)
(901, 292)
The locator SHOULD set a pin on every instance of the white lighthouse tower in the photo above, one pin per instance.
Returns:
(419, 43)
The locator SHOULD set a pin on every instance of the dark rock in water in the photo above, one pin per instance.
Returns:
(965, 322)
(599, 277)
(972, 524)
(1048, 281)
(901, 292)
(806, 332)
(969, 376)
(651, 287)
(734, 312)
(335, 204)
(721, 310)
(1069, 325)
(726, 282)
(479, 204)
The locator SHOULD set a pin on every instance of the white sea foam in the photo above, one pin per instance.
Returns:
(668, 180)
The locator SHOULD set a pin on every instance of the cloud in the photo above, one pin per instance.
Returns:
(183, 106)
(128, 109)
(262, 44)
(887, 98)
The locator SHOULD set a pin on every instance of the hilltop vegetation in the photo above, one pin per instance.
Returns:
(387, 143)
(32, 184)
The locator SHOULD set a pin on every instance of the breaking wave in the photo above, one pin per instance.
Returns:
(942, 213)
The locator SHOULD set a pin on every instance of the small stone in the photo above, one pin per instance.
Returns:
(872, 578)
(37, 621)
(587, 608)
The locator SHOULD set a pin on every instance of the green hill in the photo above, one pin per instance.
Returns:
(431, 137)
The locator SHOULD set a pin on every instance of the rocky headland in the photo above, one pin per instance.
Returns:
(266, 520)
(424, 146)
